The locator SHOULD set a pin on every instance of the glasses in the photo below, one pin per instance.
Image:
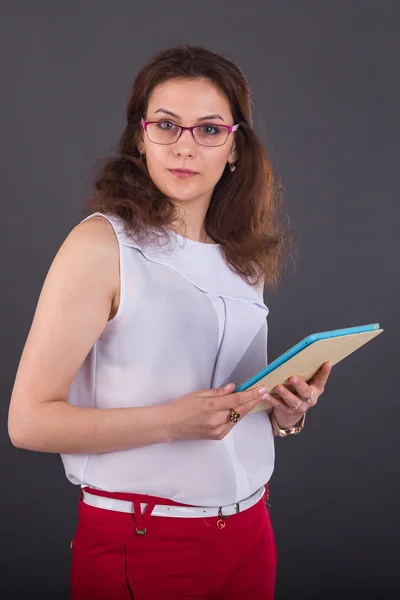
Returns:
(165, 132)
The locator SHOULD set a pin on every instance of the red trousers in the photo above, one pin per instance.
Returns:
(176, 558)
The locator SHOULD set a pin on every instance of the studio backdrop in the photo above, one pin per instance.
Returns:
(324, 77)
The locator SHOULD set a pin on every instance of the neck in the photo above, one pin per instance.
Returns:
(191, 223)
(196, 234)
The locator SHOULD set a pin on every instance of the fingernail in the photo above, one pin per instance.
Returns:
(262, 390)
(227, 387)
(267, 397)
(330, 364)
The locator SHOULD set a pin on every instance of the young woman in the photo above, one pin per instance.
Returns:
(151, 313)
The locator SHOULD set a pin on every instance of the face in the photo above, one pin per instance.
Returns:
(190, 100)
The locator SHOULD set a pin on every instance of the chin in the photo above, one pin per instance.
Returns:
(181, 195)
(181, 199)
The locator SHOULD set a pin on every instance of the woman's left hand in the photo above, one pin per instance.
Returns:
(283, 407)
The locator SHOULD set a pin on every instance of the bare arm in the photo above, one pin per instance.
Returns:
(59, 427)
(73, 309)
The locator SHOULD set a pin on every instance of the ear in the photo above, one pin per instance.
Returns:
(233, 154)
(140, 147)
(140, 141)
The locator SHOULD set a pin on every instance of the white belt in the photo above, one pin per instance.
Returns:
(161, 510)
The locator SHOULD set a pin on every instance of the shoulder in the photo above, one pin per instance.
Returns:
(90, 249)
(94, 238)
(94, 229)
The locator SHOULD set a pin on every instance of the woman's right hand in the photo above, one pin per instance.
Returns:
(204, 414)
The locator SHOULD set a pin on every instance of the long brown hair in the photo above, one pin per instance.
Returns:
(246, 214)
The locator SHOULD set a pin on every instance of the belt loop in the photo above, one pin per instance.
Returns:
(139, 516)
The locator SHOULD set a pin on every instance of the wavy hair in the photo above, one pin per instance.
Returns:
(246, 214)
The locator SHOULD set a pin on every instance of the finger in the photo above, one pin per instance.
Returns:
(290, 399)
(279, 404)
(221, 391)
(321, 376)
(243, 410)
(225, 399)
(241, 399)
(303, 389)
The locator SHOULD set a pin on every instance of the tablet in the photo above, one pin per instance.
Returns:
(306, 358)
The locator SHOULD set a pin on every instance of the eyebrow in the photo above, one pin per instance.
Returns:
(206, 118)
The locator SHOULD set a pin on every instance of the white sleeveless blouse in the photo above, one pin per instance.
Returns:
(185, 322)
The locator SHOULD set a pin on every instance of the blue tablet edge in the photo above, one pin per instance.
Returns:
(300, 346)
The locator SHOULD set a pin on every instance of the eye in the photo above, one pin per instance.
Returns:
(210, 129)
(166, 125)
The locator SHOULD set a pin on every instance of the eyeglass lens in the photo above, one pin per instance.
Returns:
(165, 132)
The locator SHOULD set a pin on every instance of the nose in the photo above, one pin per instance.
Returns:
(185, 146)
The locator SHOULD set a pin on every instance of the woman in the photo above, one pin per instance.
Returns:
(152, 306)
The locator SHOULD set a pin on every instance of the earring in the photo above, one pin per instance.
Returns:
(142, 155)
(232, 166)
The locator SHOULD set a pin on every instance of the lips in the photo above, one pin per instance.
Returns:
(183, 171)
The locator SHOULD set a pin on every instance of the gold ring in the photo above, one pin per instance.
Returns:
(298, 406)
(233, 416)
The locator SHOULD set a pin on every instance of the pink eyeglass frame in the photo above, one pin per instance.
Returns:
(229, 127)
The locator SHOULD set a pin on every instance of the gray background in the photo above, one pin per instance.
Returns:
(325, 79)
